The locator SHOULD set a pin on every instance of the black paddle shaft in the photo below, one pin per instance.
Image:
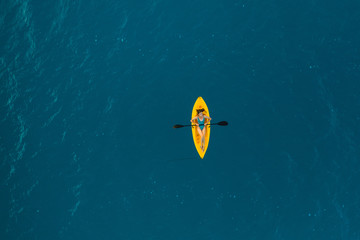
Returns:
(222, 123)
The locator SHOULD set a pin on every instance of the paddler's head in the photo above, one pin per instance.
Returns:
(200, 111)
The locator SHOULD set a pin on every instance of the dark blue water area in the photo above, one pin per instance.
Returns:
(90, 91)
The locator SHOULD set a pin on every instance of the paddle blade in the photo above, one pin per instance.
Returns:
(223, 123)
(178, 126)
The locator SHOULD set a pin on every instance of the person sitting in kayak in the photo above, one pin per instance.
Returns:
(199, 120)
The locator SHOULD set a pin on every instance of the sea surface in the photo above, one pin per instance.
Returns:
(90, 90)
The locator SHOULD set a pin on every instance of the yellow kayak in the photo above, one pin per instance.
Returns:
(199, 104)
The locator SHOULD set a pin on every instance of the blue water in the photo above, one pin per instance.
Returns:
(90, 91)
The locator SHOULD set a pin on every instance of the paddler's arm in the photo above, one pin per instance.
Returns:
(192, 120)
(207, 118)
